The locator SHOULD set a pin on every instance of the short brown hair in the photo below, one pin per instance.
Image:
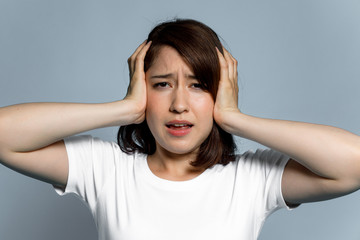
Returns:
(196, 43)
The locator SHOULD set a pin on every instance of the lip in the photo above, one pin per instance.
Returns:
(179, 131)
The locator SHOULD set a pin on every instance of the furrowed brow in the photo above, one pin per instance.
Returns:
(169, 75)
(191, 76)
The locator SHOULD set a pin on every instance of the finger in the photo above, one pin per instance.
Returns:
(233, 74)
(234, 71)
(230, 63)
(235, 64)
(138, 49)
(131, 59)
(139, 60)
(224, 71)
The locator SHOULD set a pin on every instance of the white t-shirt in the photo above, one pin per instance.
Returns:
(129, 202)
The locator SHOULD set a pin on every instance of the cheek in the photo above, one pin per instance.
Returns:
(205, 105)
(154, 106)
(204, 108)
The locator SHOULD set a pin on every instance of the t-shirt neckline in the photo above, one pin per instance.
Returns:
(151, 178)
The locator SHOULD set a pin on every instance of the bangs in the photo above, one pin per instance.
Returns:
(196, 43)
(197, 51)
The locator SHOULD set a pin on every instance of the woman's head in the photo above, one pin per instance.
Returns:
(193, 44)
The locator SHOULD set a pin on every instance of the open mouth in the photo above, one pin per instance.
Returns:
(179, 126)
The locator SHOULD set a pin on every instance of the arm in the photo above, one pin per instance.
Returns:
(31, 134)
(327, 158)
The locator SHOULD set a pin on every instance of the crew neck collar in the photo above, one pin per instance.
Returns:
(151, 178)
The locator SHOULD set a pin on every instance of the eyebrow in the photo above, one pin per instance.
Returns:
(169, 75)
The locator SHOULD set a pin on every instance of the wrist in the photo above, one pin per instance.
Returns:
(129, 112)
(228, 120)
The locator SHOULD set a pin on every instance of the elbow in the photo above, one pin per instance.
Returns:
(357, 168)
(351, 177)
(5, 136)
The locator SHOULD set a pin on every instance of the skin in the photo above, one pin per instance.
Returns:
(173, 93)
(326, 160)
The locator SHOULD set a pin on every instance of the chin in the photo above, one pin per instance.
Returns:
(179, 149)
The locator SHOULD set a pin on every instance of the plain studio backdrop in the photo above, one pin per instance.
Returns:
(298, 60)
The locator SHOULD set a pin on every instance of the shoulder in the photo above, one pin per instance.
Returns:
(88, 142)
(261, 160)
(95, 152)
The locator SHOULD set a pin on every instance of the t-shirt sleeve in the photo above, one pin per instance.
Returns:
(268, 167)
(274, 165)
(91, 162)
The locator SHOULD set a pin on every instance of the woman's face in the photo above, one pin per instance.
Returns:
(179, 112)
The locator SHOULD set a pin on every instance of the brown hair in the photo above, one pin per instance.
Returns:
(196, 43)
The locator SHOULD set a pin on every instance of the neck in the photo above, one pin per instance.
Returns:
(173, 166)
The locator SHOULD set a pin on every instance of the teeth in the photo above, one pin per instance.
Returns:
(180, 125)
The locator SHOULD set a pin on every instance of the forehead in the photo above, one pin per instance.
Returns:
(168, 58)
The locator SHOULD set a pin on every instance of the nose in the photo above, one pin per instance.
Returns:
(179, 102)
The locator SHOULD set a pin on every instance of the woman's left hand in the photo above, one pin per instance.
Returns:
(226, 103)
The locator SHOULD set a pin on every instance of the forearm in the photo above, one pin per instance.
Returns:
(27, 127)
(328, 151)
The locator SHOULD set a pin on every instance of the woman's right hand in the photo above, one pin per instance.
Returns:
(136, 93)
(30, 139)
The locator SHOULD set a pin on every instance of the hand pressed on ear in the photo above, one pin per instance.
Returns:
(227, 96)
(136, 93)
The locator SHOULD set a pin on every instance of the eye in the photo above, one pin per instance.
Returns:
(198, 86)
(161, 85)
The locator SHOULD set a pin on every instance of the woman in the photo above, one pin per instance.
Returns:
(174, 174)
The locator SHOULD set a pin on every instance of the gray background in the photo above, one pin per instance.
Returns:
(298, 60)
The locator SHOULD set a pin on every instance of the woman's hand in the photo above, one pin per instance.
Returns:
(327, 159)
(136, 93)
(226, 103)
(34, 146)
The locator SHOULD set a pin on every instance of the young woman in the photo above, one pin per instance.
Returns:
(174, 173)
